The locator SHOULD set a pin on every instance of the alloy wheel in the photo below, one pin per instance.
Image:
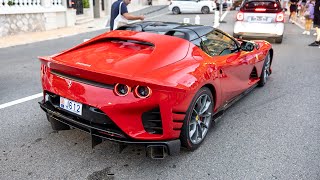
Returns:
(200, 119)
(267, 68)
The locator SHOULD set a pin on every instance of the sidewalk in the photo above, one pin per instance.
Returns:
(96, 24)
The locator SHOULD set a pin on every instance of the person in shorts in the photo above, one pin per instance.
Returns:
(293, 10)
(308, 15)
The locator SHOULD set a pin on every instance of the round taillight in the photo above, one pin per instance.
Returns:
(121, 89)
(142, 91)
(240, 16)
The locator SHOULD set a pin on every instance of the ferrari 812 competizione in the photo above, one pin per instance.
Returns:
(160, 84)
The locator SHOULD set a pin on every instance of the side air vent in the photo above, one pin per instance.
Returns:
(152, 122)
(254, 74)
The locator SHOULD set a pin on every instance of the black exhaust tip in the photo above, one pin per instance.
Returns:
(157, 151)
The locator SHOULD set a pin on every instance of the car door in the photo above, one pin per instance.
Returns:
(183, 5)
(191, 6)
(234, 65)
(198, 5)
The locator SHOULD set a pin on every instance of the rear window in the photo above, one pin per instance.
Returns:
(261, 6)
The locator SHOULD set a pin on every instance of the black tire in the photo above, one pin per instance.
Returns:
(199, 121)
(278, 40)
(176, 10)
(266, 71)
(57, 125)
(205, 10)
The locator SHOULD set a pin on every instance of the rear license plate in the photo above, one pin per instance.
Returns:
(260, 19)
(71, 106)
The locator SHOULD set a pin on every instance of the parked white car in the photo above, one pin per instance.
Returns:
(192, 6)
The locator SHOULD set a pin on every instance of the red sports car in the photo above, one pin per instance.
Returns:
(155, 83)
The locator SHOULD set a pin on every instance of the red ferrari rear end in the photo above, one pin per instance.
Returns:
(106, 88)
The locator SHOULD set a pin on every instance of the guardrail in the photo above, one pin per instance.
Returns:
(30, 6)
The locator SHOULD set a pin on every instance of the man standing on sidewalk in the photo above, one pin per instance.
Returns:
(120, 15)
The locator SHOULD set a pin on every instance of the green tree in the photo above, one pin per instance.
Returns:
(85, 4)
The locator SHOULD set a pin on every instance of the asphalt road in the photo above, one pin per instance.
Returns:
(272, 133)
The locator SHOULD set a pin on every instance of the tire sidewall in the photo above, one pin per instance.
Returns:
(184, 136)
(262, 81)
(204, 8)
(177, 10)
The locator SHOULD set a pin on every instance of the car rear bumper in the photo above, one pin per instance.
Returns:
(248, 29)
(98, 132)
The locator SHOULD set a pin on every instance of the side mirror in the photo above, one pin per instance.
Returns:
(247, 46)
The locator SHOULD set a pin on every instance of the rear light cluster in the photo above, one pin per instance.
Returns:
(44, 69)
(260, 9)
(139, 91)
(280, 17)
(240, 16)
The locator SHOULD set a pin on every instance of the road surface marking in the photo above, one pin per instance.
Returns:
(217, 19)
(2, 106)
(224, 15)
(298, 24)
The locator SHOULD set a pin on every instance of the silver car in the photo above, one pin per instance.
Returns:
(260, 19)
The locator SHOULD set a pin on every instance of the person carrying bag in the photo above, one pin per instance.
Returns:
(120, 15)
(119, 20)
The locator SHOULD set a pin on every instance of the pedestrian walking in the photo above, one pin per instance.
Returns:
(120, 15)
(293, 10)
(316, 23)
(309, 15)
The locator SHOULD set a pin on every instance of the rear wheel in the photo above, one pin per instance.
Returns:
(279, 40)
(57, 125)
(198, 119)
(205, 10)
(176, 10)
(266, 71)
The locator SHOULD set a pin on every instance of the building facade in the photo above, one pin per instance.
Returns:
(19, 16)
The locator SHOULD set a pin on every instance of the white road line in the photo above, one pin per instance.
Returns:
(218, 19)
(298, 24)
(224, 15)
(2, 106)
